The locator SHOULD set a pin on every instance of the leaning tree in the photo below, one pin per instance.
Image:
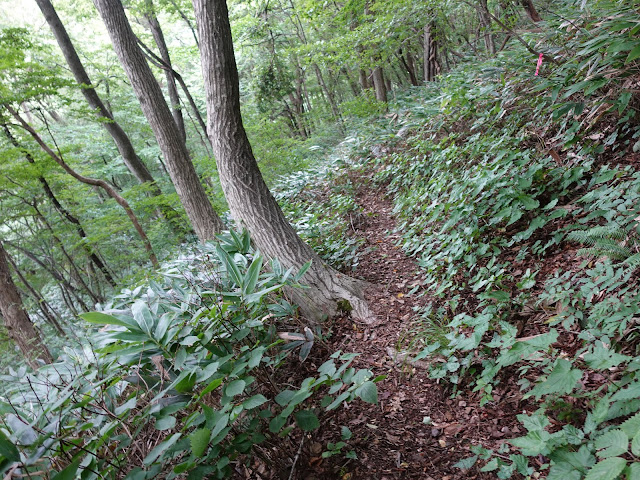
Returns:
(249, 198)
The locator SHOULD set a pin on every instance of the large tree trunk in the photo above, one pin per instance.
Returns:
(204, 219)
(158, 37)
(485, 21)
(249, 199)
(16, 320)
(122, 141)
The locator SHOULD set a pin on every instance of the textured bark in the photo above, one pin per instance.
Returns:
(531, 10)
(409, 65)
(485, 21)
(16, 320)
(204, 219)
(249, 199)
(379, 85)
(122, 141)
(48, 313)
(90, 181)
(431, 65)
(158, 37)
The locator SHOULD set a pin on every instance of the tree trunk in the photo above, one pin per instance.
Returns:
(431, 65)
(44, 307)
(16, 320)
(485, 21)
(363, 78)
(122, 141)
(204, 219)
(158, 37)
(531, 10)
(91, 181)
(63, 211)
(249, 199)
(379, 85)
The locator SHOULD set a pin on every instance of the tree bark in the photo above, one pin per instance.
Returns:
(431, 65)
(91, 181)
(485, 21)
(530, 8)
(122, 141)
(16, 320)
(379, 85)
(204, 219)
(249, 199)
(44, 307)
(158, 37)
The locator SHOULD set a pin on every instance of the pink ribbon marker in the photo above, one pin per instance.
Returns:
(539, 64)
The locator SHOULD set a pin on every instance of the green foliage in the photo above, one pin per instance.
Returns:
(178, 373)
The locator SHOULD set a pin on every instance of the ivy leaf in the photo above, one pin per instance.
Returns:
(561, 380)
(307, 420)
(612, 443)
(607, 469)
(199, 441)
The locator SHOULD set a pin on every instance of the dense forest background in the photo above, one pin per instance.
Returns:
(236, 236)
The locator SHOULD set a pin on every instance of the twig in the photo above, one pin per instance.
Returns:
(295, 460)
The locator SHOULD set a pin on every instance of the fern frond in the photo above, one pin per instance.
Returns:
(633, 261)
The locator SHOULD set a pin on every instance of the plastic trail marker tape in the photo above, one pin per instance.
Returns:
(539, 64)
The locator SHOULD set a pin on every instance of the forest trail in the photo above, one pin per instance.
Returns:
(417, 431)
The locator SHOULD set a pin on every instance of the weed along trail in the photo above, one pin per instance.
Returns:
(417, 430)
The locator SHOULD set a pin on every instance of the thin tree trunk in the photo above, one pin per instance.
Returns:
(431, 65)
(192, 195)
(250, 200)
(63, 211)
(407, 63)
(18, 324)
(91, 181)
(485, 20)
(379, 85)
(158, 37)
(44, 307)
(122, 141)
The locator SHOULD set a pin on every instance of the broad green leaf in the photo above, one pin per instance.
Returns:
(185, 382)
(199, 441)
(8, 450)
(607, 469)
(221, 424)
(103, 319)
(307, 420)
(633, 54)
(631, 426)
(69, 472)
(211, 387)
(632, 472)
(284, 397)
(276, 424)
(165, 423)
(534, 443)
(254, 401)
(252, 275)
(635, 445)
(234, 388)
(466, 463)
(561, 380)
(612, 443)
(143, 316)
(161, 448)
(368, 392)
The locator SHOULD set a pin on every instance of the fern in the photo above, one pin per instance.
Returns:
(610, 241)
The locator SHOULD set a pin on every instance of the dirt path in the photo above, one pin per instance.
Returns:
(416, 431)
